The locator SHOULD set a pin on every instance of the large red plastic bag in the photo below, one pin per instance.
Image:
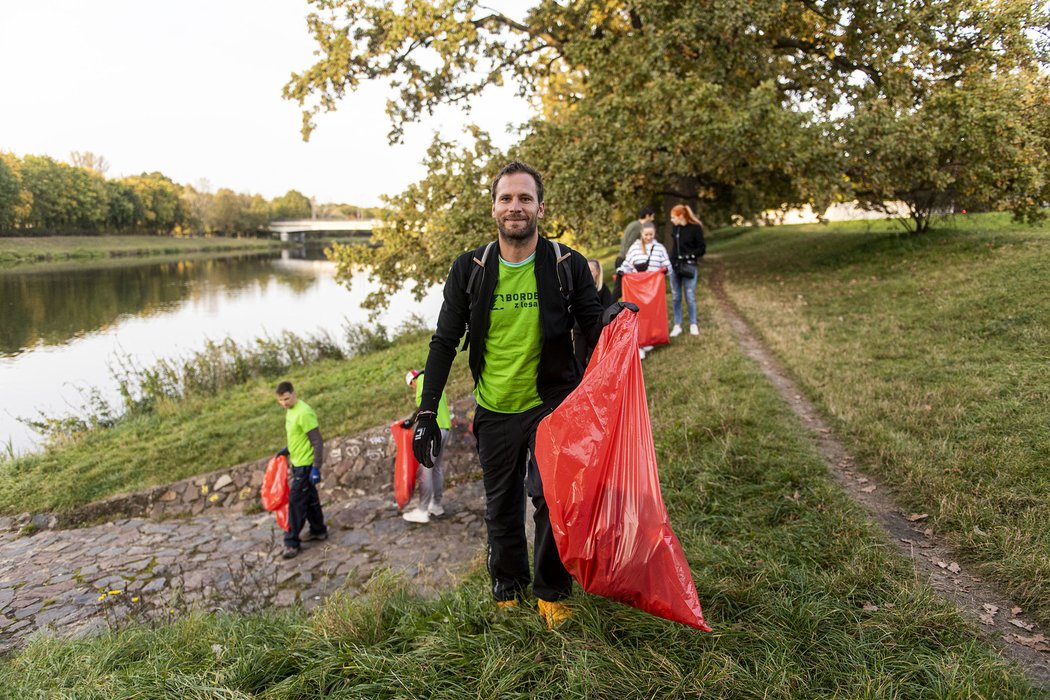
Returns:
(275, 490)
(405, 464)
(649, 291)
(596, 458)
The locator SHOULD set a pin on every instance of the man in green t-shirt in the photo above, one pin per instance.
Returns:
(429, 482)
(521, 302)
(305, 453)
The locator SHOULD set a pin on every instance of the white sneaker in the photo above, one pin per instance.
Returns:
(435, 509)
(641, 353)
(693, 330)
(647, 348)
(676, 331)
(416, 515)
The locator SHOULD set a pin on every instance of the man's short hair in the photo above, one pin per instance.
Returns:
(646, 211)
(516, 166)
(284, 388)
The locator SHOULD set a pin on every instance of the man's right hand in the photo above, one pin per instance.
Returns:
(426, 442)
(283, 452)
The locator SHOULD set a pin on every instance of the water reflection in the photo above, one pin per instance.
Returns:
(62, 328)
(50, 308)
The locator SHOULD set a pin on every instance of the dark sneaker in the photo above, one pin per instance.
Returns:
(311, 537)
(290, 552)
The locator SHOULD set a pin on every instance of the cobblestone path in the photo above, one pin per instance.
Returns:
(81, 580)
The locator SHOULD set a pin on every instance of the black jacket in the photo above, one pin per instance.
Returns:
(687, 243)
(559, 372)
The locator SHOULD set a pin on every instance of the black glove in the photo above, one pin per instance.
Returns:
(407, 423)
(426, 443)
(614, 309)
(283, 452)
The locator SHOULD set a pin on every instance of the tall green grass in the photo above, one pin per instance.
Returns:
(784, 564)
(931, 355)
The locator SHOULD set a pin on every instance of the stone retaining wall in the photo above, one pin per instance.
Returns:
(354, 465)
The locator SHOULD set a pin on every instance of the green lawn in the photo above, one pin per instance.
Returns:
(784, 580)
(25, 249)
(931, 355)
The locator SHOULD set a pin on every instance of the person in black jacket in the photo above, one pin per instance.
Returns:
(517, 299)
(687, 247)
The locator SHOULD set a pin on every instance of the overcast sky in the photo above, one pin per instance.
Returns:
(193, 89)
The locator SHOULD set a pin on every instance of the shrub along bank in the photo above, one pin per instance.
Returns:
(806, 597)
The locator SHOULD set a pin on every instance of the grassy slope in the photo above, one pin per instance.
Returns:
(19, 250)
(200, 435)
(783, 582)
(932, 355)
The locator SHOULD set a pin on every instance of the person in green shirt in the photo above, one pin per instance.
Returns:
(429, 482)
(305, 453)
(520, 296)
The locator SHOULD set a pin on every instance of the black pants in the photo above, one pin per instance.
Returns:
(505, 449)
(303, 505)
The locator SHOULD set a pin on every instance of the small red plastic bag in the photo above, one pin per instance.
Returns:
(596, 458)
(405, 464)
(649, 291)
(274, 491)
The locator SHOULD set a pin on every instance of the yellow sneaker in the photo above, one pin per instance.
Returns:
(553, 613)
(507, 604)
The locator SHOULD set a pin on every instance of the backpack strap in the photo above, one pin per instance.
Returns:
(560, 261)
(477, 276)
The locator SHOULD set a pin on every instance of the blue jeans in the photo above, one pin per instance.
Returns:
(689, 283)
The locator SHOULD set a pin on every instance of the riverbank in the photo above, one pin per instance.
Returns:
(24, 250)
(806, 596)
(177, 439)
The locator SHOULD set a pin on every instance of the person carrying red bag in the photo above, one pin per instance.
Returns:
(518, 307)
(305, 452)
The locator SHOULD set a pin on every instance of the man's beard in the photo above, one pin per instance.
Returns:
(519, 235)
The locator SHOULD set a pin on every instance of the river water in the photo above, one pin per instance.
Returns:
(63, 329)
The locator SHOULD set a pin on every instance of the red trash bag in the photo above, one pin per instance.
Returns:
(596, 458)
(405, 464)
(649, 291)
(275, 490)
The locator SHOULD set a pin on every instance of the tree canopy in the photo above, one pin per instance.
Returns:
(739, 106)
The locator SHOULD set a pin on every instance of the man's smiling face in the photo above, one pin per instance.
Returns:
(517, 208)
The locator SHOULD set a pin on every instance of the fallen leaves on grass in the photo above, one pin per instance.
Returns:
(870, 607)
(868, 489)
(1038, 642)
(916, 517)
(1022, 624)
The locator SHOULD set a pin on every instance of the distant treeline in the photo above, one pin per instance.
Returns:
(40, 195)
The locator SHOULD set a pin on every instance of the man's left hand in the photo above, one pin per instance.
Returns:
(614, 310)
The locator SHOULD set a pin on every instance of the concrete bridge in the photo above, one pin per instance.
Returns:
(305, 229)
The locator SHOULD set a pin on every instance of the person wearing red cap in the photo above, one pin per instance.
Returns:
(429, 482)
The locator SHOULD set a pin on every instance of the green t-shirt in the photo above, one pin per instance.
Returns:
(443, 418)
(298, 421)
(512, 347)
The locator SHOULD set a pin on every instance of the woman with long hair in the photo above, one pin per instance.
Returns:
(687, 247)
(646, 254)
